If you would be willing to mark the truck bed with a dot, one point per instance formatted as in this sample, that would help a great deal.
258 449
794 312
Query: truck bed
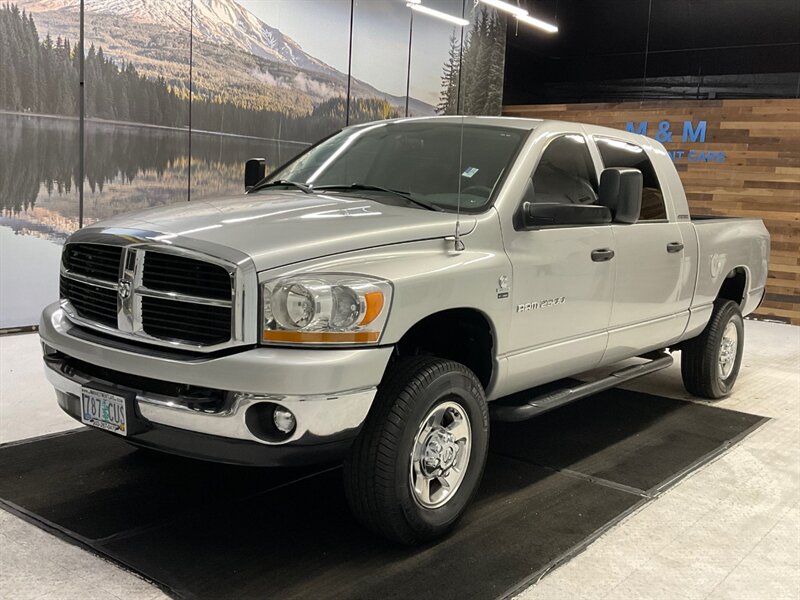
725 243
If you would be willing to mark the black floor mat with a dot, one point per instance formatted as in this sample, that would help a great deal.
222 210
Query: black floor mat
212 531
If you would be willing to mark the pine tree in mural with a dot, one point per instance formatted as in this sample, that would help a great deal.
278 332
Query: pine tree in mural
481 64
448 98
496 66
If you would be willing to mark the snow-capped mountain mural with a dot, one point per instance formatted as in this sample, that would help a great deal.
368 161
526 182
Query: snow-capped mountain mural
222 22
237 57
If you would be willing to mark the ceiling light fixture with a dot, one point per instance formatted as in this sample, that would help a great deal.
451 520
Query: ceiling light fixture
437 14
506 7
543 25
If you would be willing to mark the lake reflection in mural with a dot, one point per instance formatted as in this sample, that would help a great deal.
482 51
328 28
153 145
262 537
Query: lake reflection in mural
128 167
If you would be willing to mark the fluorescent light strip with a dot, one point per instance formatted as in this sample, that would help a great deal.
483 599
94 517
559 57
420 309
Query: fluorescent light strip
437 14
543 25
506 7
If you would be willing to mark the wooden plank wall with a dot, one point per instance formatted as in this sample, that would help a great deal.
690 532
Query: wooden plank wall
759 178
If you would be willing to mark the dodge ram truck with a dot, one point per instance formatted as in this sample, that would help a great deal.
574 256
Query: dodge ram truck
379 298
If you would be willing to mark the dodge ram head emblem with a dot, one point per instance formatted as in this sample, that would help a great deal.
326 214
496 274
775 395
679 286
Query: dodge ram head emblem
124 289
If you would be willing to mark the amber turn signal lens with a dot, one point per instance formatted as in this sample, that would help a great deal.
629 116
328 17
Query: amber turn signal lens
374 307
321 337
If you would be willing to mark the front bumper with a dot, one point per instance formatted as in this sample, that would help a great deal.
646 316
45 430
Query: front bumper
329 391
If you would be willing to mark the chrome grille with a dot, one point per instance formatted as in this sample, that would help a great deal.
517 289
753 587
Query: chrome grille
93 260
168 272
162 296
170 319
91 301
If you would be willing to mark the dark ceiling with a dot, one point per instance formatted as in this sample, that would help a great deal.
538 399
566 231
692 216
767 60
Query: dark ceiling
609 50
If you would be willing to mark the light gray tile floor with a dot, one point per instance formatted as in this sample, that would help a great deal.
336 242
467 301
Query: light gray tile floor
27 402
729 531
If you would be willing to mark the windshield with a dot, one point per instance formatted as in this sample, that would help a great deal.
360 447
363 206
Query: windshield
421 159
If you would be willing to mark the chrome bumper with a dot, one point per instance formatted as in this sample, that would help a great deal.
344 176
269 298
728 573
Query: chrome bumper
307 382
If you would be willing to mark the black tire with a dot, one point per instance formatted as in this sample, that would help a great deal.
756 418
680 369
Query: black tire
377 473
700 356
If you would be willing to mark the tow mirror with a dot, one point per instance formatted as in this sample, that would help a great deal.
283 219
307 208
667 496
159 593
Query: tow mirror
255 170
621 191
549 214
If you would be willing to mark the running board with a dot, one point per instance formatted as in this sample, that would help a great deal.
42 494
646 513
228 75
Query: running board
550 400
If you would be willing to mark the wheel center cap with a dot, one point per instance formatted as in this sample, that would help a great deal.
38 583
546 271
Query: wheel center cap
727 350
440 452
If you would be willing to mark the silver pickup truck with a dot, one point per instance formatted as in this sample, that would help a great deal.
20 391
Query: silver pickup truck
371 300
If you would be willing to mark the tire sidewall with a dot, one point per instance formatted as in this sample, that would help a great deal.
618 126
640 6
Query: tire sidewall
457 387
729 315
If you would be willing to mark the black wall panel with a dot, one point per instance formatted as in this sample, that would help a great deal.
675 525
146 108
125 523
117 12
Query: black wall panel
611 50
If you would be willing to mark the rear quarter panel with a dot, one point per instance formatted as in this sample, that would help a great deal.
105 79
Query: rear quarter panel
725 244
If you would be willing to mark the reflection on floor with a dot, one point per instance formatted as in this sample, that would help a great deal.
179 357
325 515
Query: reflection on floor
730 530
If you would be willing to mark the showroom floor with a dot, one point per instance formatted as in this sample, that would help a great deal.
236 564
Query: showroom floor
730 530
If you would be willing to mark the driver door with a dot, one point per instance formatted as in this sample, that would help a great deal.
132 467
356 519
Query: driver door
563 276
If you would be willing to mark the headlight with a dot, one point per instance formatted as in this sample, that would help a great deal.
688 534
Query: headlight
324 309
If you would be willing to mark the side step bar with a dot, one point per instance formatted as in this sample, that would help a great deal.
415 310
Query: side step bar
550 400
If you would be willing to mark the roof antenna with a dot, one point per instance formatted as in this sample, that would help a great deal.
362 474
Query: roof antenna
458 243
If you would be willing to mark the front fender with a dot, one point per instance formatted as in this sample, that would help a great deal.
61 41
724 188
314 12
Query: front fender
429 276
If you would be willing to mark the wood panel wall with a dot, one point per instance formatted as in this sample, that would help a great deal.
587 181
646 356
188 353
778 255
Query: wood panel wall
759 178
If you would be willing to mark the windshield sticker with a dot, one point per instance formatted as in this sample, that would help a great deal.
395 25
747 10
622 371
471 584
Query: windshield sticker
470 172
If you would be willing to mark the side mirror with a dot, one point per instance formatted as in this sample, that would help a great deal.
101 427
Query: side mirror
621 191
549 214
255 170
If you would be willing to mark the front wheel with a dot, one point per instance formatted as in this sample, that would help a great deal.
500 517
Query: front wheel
710 362
420 456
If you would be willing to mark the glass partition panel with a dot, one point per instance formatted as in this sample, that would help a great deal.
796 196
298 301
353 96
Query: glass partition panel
483 61
435 52
137 71
39 150
379 60
269 77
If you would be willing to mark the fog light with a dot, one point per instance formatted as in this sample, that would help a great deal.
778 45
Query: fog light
284 419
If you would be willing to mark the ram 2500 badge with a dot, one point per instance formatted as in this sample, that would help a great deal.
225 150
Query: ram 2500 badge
371 299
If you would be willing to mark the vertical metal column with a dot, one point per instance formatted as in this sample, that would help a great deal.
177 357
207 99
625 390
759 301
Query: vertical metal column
461 57
408 69
349 66
191 94
81 120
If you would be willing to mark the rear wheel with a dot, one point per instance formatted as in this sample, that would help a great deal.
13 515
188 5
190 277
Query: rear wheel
420 456
710 362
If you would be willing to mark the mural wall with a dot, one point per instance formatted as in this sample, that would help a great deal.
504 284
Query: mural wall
178 93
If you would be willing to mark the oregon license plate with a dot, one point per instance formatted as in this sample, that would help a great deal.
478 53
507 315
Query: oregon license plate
104 411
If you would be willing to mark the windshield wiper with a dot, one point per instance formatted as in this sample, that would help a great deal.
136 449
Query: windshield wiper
284 183
376 188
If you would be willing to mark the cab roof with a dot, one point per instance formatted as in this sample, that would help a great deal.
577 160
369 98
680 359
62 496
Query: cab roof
525 124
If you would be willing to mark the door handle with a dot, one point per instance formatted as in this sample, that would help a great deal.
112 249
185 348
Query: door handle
602 254
674 247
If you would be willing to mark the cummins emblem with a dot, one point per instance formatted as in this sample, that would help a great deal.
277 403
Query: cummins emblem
503 287
540 304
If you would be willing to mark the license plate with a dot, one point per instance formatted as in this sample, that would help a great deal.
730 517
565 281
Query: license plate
104 411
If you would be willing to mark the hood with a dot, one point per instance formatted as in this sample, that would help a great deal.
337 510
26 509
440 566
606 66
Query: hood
277 228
